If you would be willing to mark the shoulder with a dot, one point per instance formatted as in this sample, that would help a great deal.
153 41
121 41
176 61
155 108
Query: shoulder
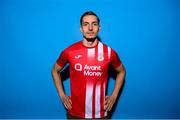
109 47
103 44
74 46
111 52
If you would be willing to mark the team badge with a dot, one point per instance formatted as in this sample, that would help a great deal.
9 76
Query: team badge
100 58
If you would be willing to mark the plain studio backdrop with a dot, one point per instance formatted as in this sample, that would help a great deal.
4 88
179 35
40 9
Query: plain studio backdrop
145 34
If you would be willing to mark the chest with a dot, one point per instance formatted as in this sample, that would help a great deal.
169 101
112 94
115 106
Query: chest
89 60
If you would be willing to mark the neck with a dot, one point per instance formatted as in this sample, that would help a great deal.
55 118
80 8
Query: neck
90 44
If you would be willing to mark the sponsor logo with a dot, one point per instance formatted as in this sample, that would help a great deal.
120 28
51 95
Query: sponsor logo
89 70
77 56
78 67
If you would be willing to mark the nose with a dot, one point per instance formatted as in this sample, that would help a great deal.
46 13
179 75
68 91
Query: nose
90 27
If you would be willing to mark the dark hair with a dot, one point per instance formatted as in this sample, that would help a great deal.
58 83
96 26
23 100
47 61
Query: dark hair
89 13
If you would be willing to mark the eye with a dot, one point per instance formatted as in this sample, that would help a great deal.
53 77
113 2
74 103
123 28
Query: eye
84 24
95 24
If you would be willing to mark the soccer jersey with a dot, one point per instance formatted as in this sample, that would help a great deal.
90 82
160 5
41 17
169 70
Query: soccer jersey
88 77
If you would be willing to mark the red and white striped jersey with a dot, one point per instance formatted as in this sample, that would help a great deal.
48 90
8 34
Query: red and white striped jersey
88 77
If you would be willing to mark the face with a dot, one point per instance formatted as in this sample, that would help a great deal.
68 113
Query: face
90 27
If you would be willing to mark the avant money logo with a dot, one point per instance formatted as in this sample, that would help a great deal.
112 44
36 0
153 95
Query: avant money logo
78 67
89 70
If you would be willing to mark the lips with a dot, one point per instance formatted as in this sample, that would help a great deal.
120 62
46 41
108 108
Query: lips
90 33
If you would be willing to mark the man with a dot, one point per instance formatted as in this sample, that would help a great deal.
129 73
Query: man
89 60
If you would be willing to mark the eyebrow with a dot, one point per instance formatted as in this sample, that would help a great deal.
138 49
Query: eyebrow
92 22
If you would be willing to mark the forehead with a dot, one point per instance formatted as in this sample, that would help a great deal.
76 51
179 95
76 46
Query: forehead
89 18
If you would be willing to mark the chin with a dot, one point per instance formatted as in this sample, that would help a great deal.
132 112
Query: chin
90 37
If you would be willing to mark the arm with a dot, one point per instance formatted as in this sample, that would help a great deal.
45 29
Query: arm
58 83
110 100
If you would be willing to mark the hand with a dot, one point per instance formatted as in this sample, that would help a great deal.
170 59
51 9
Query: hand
109 102
67 102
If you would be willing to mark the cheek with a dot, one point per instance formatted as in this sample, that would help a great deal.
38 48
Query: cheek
84 30
96 28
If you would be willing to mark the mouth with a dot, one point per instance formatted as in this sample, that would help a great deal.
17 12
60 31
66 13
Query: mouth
90 33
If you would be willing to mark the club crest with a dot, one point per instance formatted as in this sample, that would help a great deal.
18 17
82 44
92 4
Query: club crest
100 58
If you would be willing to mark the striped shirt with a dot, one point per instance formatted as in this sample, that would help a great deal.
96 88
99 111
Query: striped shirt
88 77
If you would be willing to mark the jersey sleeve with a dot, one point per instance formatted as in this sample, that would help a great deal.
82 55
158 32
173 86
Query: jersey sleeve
63 59
115 60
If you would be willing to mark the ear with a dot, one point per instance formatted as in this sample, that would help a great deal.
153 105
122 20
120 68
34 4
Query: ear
81 29
99 28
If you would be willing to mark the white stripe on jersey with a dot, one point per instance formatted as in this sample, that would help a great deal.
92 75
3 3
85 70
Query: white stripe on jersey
98 87
89 88
100 50
109 52
91 52
88 107
97 101
104 86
